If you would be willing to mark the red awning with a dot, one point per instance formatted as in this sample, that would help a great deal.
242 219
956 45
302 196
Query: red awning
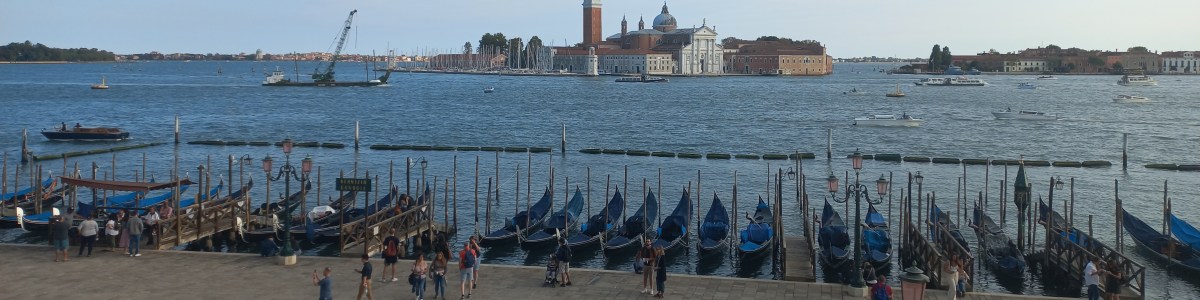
132 186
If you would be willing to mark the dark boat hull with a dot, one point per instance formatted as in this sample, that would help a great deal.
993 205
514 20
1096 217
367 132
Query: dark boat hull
74 136
329 84
622 242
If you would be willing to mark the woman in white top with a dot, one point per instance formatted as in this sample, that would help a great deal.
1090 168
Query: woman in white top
951 274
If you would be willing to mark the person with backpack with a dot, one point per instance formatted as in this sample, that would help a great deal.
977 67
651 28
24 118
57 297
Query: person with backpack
391 253
466 269
564 266
475 267
880 290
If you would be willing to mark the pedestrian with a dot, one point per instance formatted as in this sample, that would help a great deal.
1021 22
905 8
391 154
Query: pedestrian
391 253
880 290
478 251
365 285
950 272
564 266
268 247
1113 284
58 237
419 269
868 273
961 285
123 240
88 230
135 228
151 226
325 283
1091 278
466 265
660 270
439 276
111 230
645 259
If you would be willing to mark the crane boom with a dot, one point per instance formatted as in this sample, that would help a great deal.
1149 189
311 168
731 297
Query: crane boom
327 76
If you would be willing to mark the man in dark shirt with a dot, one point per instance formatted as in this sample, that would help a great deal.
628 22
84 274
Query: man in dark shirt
564 266
326 284
58 235
365 285
391 253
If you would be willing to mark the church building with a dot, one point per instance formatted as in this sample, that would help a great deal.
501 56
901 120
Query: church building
663 48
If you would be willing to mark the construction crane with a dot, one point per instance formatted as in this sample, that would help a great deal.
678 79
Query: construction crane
327 76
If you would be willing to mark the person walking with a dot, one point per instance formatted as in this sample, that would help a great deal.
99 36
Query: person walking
88 230
564 266
439 276
391 254
325 284
365 285
660 272
880 290
123 238
1112 285
419 269
475 268
111 230
1091 278
151 226
645 259
135 228
58 237
466 268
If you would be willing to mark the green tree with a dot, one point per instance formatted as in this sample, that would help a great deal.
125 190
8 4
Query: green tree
768 38
515 48
1138 49
1095 61
491 42
935 57
1053 47
946 58
1117 66
467 48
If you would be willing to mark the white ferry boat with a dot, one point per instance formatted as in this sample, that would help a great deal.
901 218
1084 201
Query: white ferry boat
956 81
904 120
1028 115
1137 80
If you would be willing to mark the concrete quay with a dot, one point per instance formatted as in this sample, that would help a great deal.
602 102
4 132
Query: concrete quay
30 273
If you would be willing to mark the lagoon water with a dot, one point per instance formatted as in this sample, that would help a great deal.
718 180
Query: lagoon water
737 115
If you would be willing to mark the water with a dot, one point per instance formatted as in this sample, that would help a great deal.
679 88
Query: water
751 115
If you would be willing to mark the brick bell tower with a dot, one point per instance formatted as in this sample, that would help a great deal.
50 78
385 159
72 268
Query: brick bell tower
591 22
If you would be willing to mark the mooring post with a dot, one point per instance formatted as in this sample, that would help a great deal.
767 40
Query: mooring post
176 129
564 139
1124 152
24 146
356 135
828 145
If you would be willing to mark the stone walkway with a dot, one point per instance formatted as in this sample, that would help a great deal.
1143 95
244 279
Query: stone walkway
30 273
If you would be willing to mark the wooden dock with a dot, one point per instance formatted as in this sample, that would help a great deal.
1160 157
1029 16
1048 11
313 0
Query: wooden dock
1067 258
366 235
186 227
798 257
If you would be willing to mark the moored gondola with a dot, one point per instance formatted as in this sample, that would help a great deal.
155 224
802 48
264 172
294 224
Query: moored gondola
601 225
673 231
520 223
560 223
877 244
759 233
833 239
714 230
998 251
635 228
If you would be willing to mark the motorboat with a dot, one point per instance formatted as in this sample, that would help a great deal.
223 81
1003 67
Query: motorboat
80 133
1131 99
1137 80
1047 77
1029 115
103 85
643 78
489 90
1027 86
903 120
854 92
955 81
897 94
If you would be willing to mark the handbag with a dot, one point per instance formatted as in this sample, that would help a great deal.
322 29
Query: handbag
412 278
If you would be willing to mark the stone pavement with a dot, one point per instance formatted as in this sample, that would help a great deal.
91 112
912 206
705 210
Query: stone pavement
28 272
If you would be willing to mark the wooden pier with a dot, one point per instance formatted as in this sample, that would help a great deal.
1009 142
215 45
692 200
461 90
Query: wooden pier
189 226
1066 258
366 235
798 259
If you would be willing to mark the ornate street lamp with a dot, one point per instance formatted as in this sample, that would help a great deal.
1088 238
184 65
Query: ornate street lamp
860 192
912 283
287 172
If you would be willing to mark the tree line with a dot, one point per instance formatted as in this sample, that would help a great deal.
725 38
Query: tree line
29 51
519 53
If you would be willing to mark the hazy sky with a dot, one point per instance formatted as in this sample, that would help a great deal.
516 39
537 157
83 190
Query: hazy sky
847 27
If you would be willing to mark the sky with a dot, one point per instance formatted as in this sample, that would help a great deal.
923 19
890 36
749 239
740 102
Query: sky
849 28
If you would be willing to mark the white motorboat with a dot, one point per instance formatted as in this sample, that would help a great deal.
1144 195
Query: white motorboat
1029 115
904 120
1027 86
1137 80
956 81
1047 77
1131 99
643 78
489 90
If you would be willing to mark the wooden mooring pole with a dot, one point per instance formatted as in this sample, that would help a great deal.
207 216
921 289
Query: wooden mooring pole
176 129
356 136
1124 152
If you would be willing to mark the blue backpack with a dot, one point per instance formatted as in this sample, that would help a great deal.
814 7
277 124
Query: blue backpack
469 261
879 294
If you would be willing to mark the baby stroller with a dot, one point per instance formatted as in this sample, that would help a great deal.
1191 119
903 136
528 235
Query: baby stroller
551 272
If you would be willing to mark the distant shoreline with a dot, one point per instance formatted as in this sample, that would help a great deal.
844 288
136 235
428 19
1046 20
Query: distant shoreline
53 62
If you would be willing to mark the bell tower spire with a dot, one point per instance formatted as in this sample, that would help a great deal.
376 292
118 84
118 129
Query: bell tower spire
591 22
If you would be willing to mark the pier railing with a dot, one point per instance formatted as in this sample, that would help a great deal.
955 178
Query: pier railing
200 221
949 246
369 232
918 249
1073 256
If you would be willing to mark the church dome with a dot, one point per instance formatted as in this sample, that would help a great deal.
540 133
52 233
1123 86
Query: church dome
664 21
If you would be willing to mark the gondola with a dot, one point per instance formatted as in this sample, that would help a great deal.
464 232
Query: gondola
674 228
999 251
937 216
28 222
560 223
330 232
634 229
24 198
759 233
877 244
601 225
279 212
283 206
834 240
714 230
522 222
1163 246
334 209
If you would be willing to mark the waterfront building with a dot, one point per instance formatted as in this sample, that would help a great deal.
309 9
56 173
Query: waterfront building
1027 65
777 58
662 49
1180 62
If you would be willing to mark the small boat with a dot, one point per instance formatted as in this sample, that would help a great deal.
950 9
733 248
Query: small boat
1165 247
833 238
489 90
955 81
1131 99
1047 77
999 251
897 93
674 228
903 120
635 228
559 224
714 231
759 233
1137 79
938 216
103 85
80 133
854 92
1027 86
877 245
599 226
522 222
643 78
329 232
1029 115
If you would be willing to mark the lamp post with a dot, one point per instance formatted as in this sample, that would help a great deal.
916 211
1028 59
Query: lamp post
859 191
287 172
912 283
242 162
